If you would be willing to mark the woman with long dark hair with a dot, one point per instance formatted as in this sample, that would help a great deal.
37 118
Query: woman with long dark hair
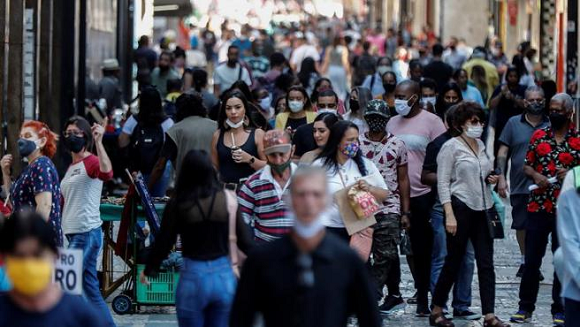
201 212
358 98
345 167
449 95
257 120
308 74
321 130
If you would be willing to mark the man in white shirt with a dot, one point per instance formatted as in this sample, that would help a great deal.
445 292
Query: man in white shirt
230 72
303 51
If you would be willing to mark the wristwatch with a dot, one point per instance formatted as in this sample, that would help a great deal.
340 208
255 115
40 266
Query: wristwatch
252 160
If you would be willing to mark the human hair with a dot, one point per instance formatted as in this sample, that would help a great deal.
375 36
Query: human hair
328 118
199 78
437 50
328 93
143 41
478 76
244 88
534 89
173 85
44 131
450 86
23 225
233 47
314 96
284 81
85 127
307 103
386 60
565 99
415 63
428 83
277 59
515 69
222 113
366 46
458 72
281 97
151 110
550 89
364 96
330 151
168 54
449 117
179 52
189 104
466 110
307 68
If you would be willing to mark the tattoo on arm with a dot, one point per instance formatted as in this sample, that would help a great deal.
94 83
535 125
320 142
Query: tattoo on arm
502 163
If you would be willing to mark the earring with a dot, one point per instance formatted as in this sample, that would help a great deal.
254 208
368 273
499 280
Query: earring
246 121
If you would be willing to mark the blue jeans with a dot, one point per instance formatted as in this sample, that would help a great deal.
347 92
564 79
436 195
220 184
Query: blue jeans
91 243
462 288
205 293
160 188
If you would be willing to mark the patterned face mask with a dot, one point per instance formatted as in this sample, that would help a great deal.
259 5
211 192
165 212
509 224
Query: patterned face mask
376 123
350 149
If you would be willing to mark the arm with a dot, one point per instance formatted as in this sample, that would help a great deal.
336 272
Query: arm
165 240
246 304
168 152
214 154
405 194
429 178
568 226
216 90
495 98
105 166
501 162
260 161
326 61
445 166
539 179
243 234
6 164
345 62
124 139
43 204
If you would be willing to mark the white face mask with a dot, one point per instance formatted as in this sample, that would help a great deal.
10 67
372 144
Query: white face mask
308 230
402 107
234 125
265 103
474 132
431 100
326 111
295 106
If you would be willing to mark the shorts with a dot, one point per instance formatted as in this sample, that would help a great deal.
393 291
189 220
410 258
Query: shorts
519 211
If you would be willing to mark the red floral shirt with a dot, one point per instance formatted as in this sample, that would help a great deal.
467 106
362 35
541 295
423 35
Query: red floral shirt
546 156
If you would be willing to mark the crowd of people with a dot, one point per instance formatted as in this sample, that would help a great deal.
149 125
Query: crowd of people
274 160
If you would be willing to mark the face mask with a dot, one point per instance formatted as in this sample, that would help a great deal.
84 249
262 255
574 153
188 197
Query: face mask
234 125
474 132
265 103
558 120
383 69
354 105
75 143
326 111
431 100
535 108
308 230
350 150
377 124
26 147
389 87
232 63
29 276
295 106
281 168
402 106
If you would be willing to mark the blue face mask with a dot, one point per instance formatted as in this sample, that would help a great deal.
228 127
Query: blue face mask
26 147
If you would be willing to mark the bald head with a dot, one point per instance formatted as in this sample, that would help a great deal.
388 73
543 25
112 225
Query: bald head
410 85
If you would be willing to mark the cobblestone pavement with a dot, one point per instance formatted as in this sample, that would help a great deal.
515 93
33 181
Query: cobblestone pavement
506 263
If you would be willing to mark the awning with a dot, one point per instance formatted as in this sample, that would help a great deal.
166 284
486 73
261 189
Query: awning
172 8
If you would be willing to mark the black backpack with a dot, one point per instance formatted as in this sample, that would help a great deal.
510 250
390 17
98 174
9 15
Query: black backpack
146 145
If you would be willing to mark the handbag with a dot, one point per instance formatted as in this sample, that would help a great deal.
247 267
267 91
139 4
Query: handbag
362 243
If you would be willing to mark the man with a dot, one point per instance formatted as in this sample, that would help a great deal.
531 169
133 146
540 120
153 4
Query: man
437 70
257 62
514 141
302 51
478 58
429 94
230 72
417 128
468 92
462 287
193 131
373 81
145 57
389 154
261 197
109 86
164 72
452 56
308 278
498 58
364 64
552 152
243 42
304 136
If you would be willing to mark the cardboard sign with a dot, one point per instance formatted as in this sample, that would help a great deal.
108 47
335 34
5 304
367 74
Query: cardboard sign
68 272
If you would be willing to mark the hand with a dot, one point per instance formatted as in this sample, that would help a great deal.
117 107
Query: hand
363 185
541 180
561 173
241 156
492 179
502 187
451 224
6 164
98 131
143 279
405 223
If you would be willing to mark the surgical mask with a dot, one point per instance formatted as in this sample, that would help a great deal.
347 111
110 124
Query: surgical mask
474 132
75 143
383 69
29 276
376 123
231 124
354 105
26 147
535 108
308 230
431 100
295 106
558 120
350 149
281 168
402 107
265 103
326 111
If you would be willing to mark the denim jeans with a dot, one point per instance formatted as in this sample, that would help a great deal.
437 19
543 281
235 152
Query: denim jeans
205 293
462 287
91 243
162 184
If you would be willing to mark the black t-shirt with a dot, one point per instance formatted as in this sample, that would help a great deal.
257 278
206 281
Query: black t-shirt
304 139
438 71
430 163
295 123
70 311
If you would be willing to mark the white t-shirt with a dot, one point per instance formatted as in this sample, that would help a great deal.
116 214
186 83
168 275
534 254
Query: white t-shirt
302 52
225 76
131 123
351 174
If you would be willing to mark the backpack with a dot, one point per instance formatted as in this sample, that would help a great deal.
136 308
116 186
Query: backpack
146 144
170 108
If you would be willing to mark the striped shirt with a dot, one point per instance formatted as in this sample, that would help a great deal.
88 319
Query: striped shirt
81 188
262 205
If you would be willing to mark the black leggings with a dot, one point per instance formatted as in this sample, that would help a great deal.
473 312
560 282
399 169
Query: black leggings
421 234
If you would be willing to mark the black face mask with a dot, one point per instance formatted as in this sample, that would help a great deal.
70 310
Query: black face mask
26 147
75 143
535 108
389 87
354 105
558 120
232 62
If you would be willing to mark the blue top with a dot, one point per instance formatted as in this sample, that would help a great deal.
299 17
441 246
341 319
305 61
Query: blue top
569 237
473 94
70 311
377 86
38 177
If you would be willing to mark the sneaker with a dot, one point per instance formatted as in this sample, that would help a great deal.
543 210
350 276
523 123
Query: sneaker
392 303
412 299
558 320
520 272
521 317
466 315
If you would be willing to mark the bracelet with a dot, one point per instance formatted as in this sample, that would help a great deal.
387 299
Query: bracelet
252 160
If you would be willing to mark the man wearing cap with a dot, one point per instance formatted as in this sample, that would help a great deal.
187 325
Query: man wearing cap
109 87
261 197
389 154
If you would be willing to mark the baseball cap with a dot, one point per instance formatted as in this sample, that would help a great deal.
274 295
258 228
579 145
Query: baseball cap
277 141
377 107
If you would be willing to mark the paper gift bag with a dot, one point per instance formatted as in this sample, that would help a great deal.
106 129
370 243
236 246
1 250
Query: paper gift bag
352 223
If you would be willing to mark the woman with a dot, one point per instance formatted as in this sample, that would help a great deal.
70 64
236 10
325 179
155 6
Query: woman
308 74
463 169
81 187
359 97
145 135
28 244
321 85
196 80
449 95
37 187
345 167
257 119
479 79
199 213
237 148
337 67
263 101
299 110
322 124
389 80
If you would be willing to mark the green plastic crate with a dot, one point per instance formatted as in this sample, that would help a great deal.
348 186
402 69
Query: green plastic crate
161 289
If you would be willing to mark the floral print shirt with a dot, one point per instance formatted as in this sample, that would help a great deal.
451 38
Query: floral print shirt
546 157
38 177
